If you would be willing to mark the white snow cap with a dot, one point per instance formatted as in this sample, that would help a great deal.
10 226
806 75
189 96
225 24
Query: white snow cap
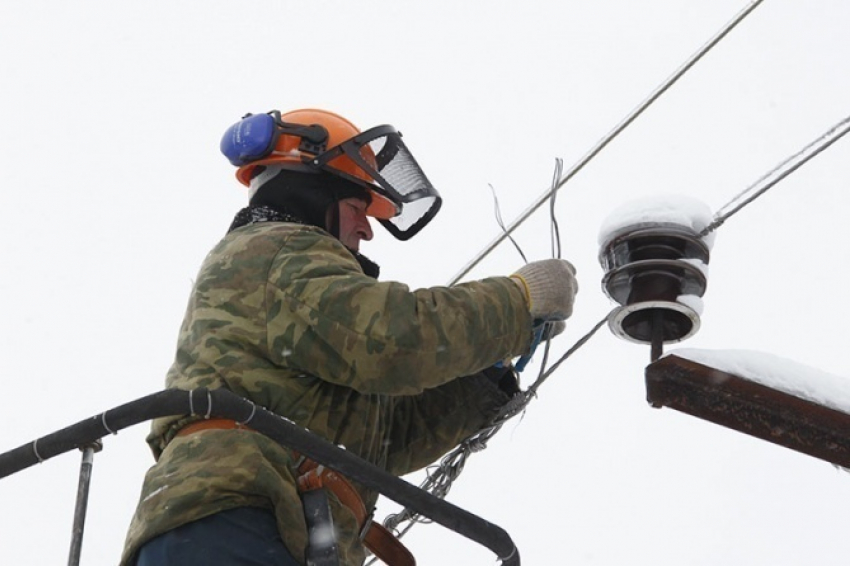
692 301
785 375
659 209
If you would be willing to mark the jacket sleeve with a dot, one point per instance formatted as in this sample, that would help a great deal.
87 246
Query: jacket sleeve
426 426
326 318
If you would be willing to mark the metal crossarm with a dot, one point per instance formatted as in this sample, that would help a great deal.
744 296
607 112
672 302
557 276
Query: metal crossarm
752 408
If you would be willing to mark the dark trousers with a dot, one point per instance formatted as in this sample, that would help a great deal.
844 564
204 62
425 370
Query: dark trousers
244 536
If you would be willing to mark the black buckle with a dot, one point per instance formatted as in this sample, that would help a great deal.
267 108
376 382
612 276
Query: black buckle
314 138
321 541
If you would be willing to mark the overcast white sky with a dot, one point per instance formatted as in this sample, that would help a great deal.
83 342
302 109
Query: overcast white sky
114 190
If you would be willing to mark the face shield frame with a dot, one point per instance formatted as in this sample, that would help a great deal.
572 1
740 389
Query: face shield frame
379 152
397 174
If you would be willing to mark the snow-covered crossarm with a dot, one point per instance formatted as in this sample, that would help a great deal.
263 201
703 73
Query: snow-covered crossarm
777 372
762 395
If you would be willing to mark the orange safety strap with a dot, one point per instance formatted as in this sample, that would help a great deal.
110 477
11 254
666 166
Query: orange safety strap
380 541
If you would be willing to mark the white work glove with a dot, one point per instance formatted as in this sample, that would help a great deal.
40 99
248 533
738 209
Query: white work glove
550 287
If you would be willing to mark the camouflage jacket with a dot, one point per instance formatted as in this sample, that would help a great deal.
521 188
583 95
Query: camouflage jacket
283 315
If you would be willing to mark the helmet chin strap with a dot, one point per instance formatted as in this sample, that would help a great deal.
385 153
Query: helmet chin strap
333 217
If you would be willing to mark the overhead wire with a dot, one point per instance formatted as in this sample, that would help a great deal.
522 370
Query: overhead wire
777 174
554 232
439 478
555 235
498 214
602 143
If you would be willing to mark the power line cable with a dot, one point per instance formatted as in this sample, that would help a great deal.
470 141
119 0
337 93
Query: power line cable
555 232
600 145
498 214
775 175
440 478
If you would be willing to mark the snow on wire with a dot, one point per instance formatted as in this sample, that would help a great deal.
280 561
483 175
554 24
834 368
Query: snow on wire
772 177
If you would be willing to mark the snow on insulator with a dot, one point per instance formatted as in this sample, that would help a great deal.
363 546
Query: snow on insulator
656 268
674 209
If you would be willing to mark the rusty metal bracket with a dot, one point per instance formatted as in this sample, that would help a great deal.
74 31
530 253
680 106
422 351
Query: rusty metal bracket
729 400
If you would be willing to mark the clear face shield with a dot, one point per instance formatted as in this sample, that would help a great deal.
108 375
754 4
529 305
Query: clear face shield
383 156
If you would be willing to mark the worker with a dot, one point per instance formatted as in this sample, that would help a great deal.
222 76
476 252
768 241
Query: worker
288 313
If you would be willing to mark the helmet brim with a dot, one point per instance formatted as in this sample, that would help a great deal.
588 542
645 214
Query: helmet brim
381 207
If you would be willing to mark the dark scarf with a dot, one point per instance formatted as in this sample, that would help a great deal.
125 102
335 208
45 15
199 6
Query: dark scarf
254 214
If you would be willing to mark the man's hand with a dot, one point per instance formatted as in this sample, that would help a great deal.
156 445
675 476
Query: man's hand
550 288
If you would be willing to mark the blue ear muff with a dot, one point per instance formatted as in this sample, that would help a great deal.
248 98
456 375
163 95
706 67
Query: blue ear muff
252 138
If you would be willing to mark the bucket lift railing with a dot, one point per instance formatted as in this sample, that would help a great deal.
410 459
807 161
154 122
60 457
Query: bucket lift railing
219 403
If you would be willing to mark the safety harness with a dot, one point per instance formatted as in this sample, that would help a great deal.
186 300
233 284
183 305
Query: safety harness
314 481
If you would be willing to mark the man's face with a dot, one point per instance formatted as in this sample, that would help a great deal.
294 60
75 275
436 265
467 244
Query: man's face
353 223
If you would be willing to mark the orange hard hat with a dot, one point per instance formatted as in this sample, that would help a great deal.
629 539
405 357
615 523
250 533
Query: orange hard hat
287 154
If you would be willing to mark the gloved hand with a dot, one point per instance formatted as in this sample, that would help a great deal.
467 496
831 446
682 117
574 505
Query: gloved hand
550 286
